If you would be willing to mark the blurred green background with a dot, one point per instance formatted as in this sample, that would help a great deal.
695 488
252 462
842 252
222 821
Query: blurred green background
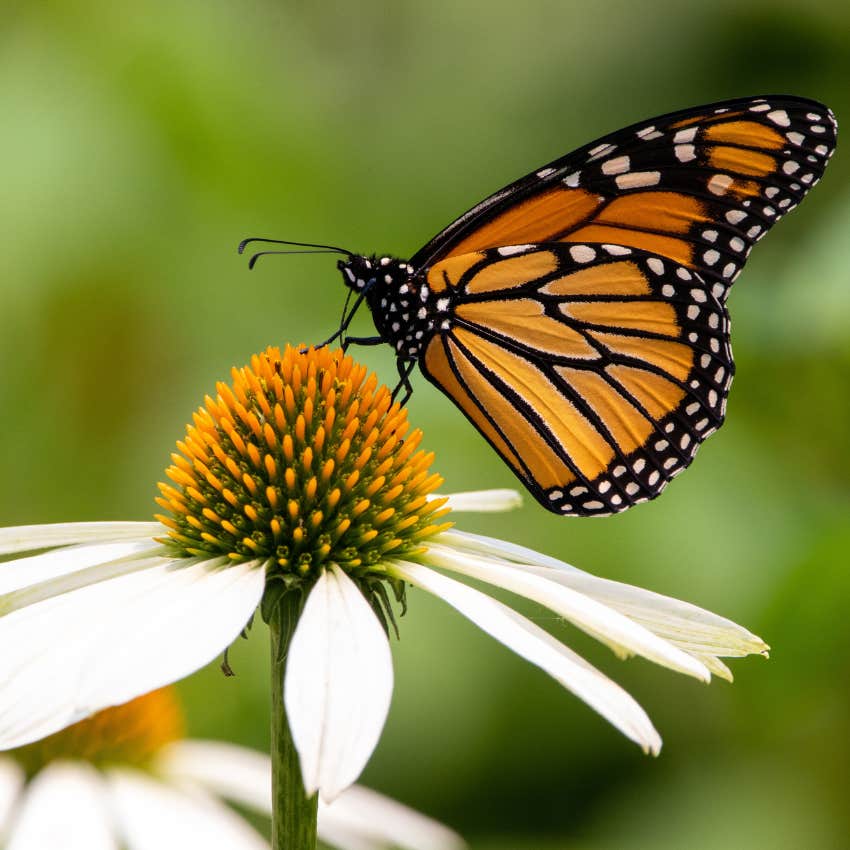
142 140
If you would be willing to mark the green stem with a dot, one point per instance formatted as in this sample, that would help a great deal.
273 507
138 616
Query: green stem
294 818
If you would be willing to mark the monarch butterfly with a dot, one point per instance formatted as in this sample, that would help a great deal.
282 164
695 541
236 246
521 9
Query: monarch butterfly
578 317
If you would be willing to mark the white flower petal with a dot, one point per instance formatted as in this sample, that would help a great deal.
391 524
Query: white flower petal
69 656
358 818
500 548
717 667
540 648
236 773
11 783
26 538
64 807
24 580
694 629
335 836
671 618
589 615
483 501
338 685
363 818
153 816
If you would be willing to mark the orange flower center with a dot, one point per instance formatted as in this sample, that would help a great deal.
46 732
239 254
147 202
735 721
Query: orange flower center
301 461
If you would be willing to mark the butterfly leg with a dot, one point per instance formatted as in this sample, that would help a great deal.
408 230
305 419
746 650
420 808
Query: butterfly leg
405 367
346 320
361 340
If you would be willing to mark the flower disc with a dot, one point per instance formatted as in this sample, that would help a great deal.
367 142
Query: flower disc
303 460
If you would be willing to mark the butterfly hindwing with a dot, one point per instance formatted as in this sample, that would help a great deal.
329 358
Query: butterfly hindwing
595 370
698 187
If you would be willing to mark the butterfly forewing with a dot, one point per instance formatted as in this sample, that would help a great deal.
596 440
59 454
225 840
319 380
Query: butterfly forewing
699 187
595 370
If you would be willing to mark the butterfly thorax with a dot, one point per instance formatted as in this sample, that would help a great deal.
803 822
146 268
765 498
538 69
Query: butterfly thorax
402 305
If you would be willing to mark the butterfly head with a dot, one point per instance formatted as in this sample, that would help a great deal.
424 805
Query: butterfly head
365 274
359 273
384 281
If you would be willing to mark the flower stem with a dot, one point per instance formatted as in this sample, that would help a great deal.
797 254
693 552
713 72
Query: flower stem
294 818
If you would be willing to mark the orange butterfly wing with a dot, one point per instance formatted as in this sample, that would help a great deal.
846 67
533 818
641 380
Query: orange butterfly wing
585 332
594 370
699 187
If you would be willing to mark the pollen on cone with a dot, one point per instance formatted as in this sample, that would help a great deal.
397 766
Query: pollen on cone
302 459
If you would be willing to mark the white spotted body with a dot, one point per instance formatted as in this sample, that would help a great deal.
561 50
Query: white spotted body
404 310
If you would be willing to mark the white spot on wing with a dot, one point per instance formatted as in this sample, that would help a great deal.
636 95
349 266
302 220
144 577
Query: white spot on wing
638 179
685 153
780 117
601 150
618 165
719 184
582 253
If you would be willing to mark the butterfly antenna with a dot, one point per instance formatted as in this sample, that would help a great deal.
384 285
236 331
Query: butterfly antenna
252 262
245 242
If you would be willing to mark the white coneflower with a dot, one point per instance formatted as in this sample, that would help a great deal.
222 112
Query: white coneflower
126 777
299 489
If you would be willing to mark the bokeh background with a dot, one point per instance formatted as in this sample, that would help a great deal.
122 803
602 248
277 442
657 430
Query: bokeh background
142 140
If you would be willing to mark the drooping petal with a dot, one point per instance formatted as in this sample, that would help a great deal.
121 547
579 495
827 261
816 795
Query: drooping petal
717 667
11 783
540 648
693 629
154 816
101 645
358 818
65 806
21 576
236 773
484 501
688 626
26 538
362 818
338 686
593 617
503 549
